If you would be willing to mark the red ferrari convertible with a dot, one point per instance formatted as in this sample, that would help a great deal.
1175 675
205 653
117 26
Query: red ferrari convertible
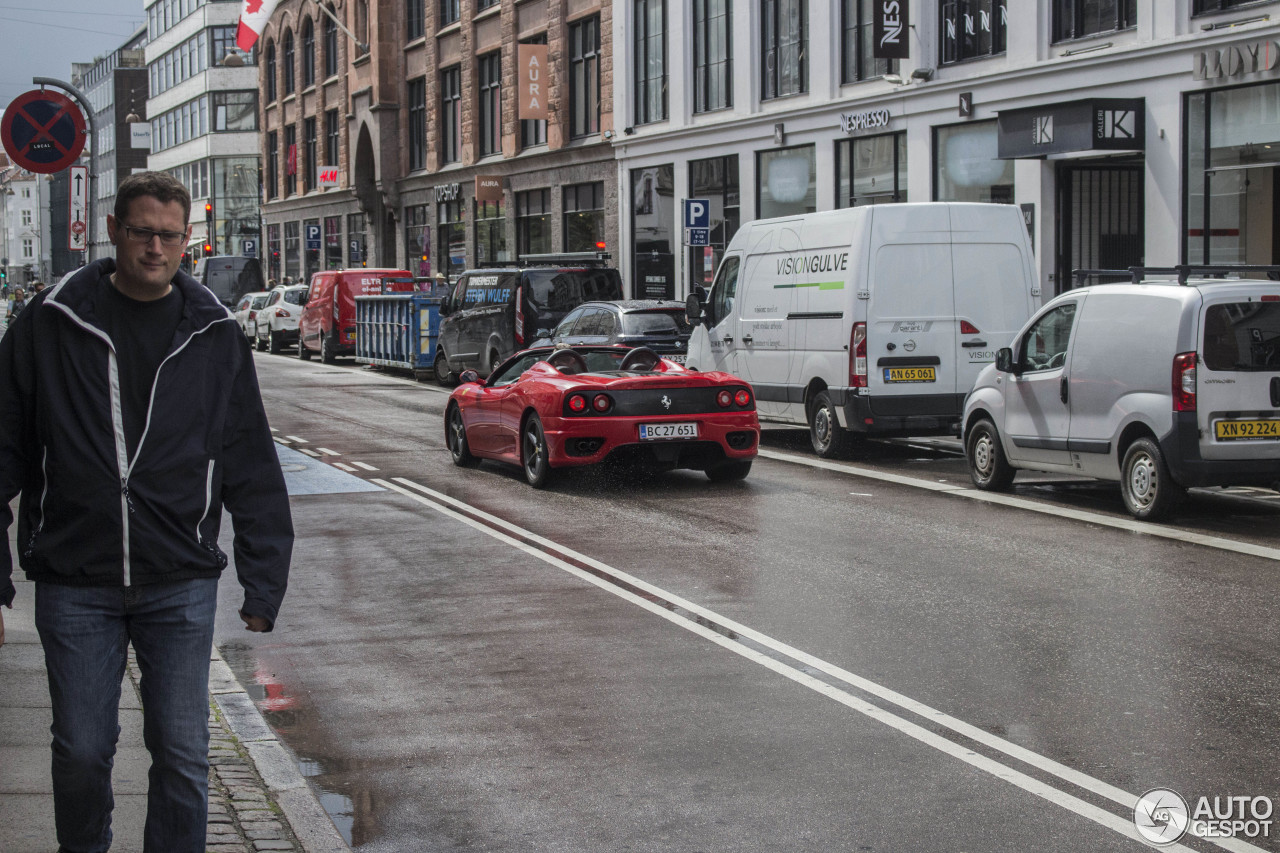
548 408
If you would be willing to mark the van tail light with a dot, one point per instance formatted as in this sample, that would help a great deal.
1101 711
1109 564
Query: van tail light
1271 297
858 356
967 328
1184 382
520 316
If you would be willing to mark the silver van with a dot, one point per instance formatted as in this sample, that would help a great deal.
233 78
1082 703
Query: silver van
230 277
1165 383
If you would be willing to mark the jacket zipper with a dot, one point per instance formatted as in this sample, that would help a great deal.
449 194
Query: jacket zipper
44 492
208 501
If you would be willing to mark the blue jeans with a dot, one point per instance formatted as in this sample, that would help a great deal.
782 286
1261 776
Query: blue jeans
86 632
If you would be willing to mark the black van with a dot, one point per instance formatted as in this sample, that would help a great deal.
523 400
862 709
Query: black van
230 277
491 313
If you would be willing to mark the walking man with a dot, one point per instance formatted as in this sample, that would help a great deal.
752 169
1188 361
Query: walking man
130 416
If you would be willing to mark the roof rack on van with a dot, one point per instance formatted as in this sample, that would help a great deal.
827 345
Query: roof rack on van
1182 271
565 258
1079 276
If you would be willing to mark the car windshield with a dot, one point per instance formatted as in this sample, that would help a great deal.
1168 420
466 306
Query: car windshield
598 361
259 301
1242 336
655 323
296 296
564 290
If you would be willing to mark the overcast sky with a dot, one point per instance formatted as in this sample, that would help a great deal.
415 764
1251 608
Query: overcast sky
39 40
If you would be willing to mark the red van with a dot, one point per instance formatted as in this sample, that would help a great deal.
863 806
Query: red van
328 321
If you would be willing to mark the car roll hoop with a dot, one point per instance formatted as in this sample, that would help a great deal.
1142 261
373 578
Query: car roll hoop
640 359
568 361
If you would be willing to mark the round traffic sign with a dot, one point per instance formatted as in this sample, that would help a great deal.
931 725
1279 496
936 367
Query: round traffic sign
43 131
77 227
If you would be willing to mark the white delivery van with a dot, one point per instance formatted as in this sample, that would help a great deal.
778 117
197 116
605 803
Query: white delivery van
868 320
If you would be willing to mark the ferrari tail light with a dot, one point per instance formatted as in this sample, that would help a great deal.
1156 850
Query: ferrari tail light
1184 382
742 398
577 403
520 316
602 403
858 356
967 328
725 398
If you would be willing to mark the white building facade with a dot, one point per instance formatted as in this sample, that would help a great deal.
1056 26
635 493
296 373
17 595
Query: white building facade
24 220
1129 131
204 120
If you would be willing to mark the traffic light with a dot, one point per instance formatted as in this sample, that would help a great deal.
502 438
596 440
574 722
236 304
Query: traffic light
208 248
208 223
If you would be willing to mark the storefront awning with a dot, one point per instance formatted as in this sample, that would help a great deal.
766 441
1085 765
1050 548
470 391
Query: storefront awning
1091 127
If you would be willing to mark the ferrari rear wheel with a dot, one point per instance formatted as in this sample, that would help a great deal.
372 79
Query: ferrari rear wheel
724 472
534 453
458 447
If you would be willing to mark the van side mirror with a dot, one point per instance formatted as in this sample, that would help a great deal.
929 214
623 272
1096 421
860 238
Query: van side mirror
444 309
1004 361
696 309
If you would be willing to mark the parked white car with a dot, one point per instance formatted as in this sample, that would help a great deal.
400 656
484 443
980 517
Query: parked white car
1162 384
278 319
246 312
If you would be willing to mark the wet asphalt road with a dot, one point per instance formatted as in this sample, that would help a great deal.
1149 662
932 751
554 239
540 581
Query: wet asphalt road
857 659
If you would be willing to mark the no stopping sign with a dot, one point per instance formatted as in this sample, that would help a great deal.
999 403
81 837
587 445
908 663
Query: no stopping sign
43 131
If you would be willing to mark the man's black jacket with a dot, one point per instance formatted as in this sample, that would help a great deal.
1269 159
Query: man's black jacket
92 516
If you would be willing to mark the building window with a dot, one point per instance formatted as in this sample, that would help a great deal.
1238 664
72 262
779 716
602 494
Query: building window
332 138
491 233
784 43
650 61
450 115
26 219
716 180
333 242
533 222
871 170
583 217
533 131
308 53
290 160
356 227
311 254
223 42
292 251
417 124
449 11
330 47
417 240
271 71
653 232
972 29
712 55
1204 6
1074 19
486 4
491 104
966 167
235 111
857 61
273 253
786 181
452 257
414 19
309 139
273 165
287 59
28 247
584 77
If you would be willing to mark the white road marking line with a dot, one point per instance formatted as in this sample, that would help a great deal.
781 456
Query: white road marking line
327 452
1130 524
365 465
297 440
345 467
862 494
308 451
278 440
441 503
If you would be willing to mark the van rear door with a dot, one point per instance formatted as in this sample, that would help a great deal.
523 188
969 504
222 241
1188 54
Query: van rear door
1238 372
911 329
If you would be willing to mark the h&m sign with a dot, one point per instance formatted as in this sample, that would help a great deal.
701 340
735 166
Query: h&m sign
1236 61
327 176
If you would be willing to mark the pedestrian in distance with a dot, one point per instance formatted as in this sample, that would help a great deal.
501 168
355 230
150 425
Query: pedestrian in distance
36 287
130 416
16 305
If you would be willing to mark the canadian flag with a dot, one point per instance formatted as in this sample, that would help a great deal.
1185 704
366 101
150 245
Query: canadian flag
254 15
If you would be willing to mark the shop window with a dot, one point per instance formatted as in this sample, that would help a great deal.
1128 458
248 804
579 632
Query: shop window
966 167
292 251
273 253
583 217
417 240
650 73
712 55
715 180
857 61
871 170
533 222
784 43
786 181
452 238
357 225
312 253
333 242
1074 19
491 234
652 232
973 29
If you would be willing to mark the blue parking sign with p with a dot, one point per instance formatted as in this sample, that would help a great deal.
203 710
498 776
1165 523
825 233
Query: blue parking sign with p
697 213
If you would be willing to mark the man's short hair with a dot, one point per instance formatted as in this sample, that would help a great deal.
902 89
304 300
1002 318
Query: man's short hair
159 185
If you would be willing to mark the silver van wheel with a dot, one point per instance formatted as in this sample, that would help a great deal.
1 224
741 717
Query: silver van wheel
825 433
1146 486
988 467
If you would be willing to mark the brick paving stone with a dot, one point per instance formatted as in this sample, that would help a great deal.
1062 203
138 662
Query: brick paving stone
250 825
220 829
273 844
226 848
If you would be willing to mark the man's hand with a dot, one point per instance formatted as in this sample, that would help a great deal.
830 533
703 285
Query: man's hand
257 624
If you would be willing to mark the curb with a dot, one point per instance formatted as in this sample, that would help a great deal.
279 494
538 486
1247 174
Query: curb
285 785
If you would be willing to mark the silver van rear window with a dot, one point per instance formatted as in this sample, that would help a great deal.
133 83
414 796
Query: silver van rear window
1242 336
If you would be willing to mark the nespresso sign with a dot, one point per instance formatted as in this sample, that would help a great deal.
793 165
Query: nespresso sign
870 120
1095 124
1236 61
889 28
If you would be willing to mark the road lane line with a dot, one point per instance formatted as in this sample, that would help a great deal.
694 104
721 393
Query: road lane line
344 467
327 452
494 527
297 440
1130 524
365 465
308 451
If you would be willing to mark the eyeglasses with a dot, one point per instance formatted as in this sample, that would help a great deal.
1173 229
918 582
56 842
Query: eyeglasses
146 235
